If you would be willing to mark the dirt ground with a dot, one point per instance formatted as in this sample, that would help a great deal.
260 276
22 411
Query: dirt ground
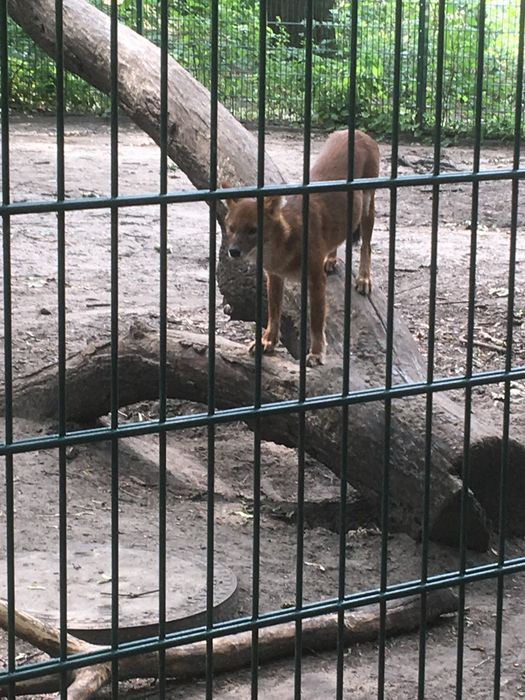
34 287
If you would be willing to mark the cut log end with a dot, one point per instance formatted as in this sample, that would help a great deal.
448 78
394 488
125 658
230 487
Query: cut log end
484 480
446 528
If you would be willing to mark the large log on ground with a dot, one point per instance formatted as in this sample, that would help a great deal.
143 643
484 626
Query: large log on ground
187 378
86 49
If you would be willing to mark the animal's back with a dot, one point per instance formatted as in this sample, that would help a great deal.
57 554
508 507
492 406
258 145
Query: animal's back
332 164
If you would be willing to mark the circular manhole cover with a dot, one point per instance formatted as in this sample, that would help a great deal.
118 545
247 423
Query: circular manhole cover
89 590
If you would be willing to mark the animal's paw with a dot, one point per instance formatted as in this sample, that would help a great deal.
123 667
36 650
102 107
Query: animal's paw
314 359
329 265
268 344
363 284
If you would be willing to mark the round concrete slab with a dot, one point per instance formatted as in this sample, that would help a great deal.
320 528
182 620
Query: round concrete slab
89 590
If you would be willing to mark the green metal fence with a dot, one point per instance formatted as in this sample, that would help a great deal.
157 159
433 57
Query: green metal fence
341 599
32 74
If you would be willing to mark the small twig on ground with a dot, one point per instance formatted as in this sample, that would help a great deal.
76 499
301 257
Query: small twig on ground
485 345
411 289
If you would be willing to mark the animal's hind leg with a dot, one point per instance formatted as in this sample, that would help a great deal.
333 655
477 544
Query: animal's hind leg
317 289
330 261
363 282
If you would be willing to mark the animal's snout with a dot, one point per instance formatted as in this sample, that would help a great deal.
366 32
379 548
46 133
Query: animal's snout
234 251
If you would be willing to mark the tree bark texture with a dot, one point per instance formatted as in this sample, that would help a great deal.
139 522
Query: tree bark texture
86 51
230 652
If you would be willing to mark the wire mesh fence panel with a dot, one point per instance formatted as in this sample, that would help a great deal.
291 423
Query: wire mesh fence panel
355 393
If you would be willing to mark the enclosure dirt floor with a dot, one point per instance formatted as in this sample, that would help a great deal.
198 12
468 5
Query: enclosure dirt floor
34 296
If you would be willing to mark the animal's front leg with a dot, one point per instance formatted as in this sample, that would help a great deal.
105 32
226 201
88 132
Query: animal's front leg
317 285
270 335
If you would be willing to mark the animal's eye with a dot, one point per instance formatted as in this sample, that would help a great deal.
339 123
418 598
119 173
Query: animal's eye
252 231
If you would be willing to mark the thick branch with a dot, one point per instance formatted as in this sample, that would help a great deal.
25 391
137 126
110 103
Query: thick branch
233 652
86 53
40 634
84 682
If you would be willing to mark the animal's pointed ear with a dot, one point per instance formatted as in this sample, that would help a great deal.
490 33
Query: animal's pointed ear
232 201
272 205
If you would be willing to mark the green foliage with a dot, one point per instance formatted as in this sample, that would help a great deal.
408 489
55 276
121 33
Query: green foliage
32 75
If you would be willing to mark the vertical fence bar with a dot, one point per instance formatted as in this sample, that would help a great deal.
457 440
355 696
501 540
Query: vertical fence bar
425 525
114 346
163 314
389 346
210 550
421 71
303 340
8 349
139 24
259 292
61 315
346 346
502 520
470 348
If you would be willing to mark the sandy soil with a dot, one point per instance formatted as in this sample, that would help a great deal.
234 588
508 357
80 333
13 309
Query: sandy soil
88 293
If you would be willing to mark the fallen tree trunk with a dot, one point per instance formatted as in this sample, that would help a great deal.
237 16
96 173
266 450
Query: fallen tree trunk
187 378
230 652
86 51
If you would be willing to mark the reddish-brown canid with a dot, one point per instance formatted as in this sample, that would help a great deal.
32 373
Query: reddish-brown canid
283 231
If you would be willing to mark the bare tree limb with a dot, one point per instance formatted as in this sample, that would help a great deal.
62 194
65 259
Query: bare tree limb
234 651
